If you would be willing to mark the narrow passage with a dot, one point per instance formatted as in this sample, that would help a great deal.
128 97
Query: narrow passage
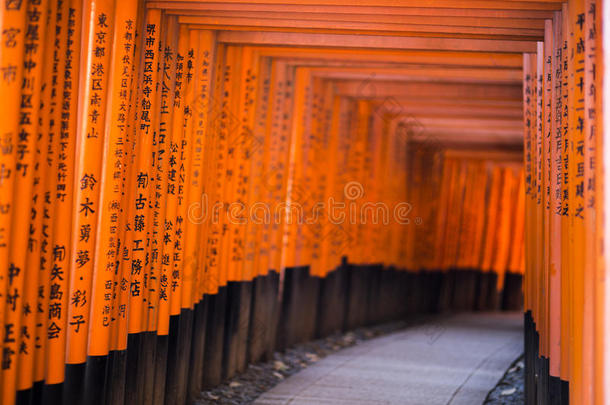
454 360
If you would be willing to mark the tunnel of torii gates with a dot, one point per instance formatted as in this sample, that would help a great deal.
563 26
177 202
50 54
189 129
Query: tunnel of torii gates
187 186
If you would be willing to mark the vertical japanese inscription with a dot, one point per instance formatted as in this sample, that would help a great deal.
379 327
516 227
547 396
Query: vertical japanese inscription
163 241
88 170
27 194
578 59
108 283
176 175
189 264
124 111
51 109
64 196
11 74
140 223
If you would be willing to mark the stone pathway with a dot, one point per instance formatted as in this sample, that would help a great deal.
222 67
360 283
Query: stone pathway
454 360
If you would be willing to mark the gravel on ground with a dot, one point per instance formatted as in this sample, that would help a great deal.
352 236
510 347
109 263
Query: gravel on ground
510 389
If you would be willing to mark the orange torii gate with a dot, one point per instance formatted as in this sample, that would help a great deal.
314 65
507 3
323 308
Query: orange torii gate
186 186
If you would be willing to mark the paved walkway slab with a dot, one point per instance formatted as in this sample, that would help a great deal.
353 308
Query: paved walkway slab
452 360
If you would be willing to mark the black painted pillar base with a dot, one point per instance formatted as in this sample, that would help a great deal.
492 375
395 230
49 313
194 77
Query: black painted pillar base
95 380
512 296
436 281
274 304
374 294
386 297
331 304
146 366
74 383
133 389
160 367
464 290
483 285
299 307
239 297
214 339
357 297
530 381
116 377
540 387
555 390
260 307
243 326
37 392
178 354
421 297
412 284
446 288
395 287
52 394
565 392
197 358
24 397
